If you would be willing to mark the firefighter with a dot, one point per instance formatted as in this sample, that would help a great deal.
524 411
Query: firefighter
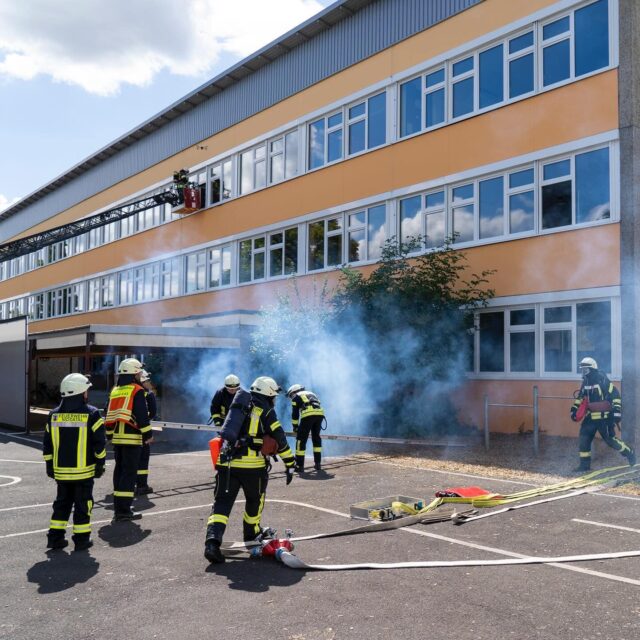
142 480
242 465
604 412
307 416
222 400
128 428
74 454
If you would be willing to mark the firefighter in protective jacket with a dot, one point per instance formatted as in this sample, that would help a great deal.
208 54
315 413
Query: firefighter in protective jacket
241 464
603 413
307 416
74 453
128 428
222 400
142 480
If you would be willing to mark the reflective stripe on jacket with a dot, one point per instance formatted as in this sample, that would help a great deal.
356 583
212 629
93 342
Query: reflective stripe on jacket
596 391
304 405
125 423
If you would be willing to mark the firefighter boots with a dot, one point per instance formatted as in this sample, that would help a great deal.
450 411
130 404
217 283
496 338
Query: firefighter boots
212 551
56 543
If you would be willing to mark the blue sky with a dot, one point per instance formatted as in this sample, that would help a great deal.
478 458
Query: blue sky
72 81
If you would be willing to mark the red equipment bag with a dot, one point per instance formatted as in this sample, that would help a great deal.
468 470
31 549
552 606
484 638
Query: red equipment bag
269 446
602 406
215 444
582 409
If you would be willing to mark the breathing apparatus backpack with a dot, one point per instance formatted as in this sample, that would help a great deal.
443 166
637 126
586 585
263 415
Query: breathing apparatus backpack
239 409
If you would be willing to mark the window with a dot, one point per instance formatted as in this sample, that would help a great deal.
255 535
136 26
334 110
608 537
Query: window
102 292
170 277
462 213
326 140
593 333
492 341
592 189
252 259
410 107
522 340
425 218
64 301
521 65
253 169
367 233
126 287
220 267
283 252
557 330
17 307
147 283
325 243
591 24
196 268
220 181
521 196
435 98
283 157
36 307
491 80
491 207
462 87
367 123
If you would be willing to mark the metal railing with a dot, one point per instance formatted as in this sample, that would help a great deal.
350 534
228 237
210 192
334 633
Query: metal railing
535 406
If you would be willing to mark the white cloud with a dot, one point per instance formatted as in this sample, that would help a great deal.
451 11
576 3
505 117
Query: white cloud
5 202
101 45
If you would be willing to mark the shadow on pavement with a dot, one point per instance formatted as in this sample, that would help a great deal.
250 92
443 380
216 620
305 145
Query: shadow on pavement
255 575
62 570
123 534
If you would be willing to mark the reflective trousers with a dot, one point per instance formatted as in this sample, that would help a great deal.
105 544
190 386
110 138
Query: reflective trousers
143 466
127 459
76 495
588 430
228 483
309 426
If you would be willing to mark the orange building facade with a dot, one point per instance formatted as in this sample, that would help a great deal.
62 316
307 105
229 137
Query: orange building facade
499 125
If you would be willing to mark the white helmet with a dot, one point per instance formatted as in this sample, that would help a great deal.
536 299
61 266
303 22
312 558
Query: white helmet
130 365
588 362
266 387
144 376
294 388
74 384
232 381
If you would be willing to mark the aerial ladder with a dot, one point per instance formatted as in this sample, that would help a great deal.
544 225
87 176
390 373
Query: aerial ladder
181 192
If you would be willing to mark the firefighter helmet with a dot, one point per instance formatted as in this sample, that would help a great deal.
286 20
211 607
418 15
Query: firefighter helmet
231 381
588 362
293 389
130 365
74 384
266 386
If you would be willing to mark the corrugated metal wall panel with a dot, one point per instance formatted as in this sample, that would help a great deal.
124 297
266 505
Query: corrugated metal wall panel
372 29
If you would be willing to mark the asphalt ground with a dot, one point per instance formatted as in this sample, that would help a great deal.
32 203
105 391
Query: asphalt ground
149 579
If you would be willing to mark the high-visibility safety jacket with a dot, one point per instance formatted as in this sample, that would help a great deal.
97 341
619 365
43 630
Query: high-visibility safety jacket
74 440
599 392
220 404
127 420
260 422
303 405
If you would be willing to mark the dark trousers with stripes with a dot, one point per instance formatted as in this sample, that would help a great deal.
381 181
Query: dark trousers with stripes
76 495
143 466
127 459
588 430
253 483
309 426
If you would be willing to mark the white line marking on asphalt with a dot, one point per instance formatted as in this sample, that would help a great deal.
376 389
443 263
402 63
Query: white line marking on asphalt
13 480
605 524
435 536
27 461
11 435
27 506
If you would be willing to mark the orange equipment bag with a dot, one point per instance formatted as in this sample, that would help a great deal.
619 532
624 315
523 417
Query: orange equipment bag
215 444
269 446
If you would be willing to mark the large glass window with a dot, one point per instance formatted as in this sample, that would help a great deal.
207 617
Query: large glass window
462 89
557 331
521 201
521 65
492 341
367 233
491 81
556 52
220 267
491 207
283 252
462 213
367 123
410 107
522 340
326 140
410 218
196 271
435 111
556 194
126 287
325 243
170 277
251 259
220 181
593 198
253 169
283 157
591 24
593 333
